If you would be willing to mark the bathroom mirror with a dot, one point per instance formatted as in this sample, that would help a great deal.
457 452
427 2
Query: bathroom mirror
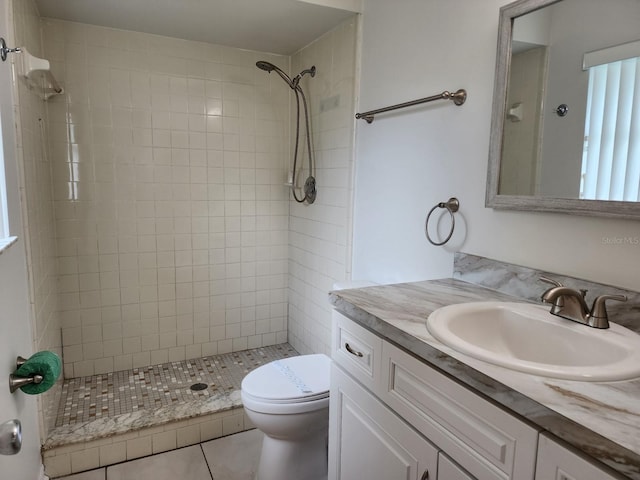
565 133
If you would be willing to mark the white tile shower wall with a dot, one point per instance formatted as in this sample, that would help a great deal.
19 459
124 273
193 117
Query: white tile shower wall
37 208
320 234
171 213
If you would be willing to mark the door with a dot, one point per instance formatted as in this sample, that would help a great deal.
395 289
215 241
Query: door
15 328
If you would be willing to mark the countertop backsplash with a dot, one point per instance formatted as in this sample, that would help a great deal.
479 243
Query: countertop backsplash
524 282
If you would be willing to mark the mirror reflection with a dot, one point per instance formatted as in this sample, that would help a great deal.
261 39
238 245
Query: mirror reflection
572 112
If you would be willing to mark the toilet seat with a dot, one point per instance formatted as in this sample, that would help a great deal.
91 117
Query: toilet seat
292 385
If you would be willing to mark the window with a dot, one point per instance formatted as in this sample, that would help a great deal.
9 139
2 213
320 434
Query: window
4 221
5 239
611 154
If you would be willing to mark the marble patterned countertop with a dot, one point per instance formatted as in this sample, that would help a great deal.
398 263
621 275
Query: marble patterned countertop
600 419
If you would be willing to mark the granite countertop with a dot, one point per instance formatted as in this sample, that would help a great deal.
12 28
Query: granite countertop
600 419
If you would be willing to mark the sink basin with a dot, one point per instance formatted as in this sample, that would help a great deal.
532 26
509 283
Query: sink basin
527 338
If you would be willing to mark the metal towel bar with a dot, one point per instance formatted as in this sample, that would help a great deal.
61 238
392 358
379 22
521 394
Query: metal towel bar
458 98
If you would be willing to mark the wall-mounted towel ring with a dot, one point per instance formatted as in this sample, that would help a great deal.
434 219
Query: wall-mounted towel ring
452 205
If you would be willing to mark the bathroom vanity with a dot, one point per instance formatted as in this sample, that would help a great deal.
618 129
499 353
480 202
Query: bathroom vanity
404 405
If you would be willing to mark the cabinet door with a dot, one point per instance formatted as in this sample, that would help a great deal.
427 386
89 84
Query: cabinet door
485 440
556 462
448 470
368 441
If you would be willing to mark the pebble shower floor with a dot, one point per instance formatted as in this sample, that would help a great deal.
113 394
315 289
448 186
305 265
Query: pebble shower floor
85 399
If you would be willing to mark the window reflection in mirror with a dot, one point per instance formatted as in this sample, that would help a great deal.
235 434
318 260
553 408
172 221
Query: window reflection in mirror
611 155
545 154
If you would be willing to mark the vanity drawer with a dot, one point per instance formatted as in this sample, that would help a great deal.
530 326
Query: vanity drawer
486 441
356 350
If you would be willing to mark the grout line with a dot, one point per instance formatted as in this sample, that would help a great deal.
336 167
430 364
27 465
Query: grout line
206 460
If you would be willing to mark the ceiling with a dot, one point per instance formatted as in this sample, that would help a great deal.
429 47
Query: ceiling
275 26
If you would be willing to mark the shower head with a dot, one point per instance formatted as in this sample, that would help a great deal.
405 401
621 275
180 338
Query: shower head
270 67
266 66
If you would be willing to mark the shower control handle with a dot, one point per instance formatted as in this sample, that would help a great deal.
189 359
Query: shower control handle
352 351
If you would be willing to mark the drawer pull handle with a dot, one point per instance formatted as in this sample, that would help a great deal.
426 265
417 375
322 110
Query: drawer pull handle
352 351
425 475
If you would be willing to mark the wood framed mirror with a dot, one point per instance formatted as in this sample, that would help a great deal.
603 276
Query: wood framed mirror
565 128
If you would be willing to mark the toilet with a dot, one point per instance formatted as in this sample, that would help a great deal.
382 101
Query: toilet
288 400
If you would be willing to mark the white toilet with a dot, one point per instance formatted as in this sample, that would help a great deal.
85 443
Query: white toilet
288 400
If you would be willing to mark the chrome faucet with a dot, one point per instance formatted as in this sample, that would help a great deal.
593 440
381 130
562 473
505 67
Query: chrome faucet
571 304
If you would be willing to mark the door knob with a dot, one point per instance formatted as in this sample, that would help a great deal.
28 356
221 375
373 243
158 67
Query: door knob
10 437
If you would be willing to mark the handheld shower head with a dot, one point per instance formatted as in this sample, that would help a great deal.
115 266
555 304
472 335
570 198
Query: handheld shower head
270 67
266 66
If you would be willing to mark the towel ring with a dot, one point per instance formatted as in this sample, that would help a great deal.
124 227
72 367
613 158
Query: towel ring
452 205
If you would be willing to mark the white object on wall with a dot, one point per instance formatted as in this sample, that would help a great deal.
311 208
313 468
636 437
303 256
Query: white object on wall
36 72
515 112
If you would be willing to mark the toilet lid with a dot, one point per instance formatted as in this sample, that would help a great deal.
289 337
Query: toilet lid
290 380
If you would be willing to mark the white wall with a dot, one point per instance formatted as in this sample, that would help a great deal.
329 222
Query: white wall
407 162
534 27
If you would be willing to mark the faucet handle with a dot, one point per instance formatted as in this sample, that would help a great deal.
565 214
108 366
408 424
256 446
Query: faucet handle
598 315
551 281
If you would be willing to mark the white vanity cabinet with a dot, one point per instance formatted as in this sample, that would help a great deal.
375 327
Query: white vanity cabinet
394 417
555 462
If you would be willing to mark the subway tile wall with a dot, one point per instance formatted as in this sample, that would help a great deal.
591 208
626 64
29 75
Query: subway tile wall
37 208
171 212
320 234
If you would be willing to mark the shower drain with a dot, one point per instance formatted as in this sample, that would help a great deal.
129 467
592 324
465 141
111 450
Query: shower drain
196 387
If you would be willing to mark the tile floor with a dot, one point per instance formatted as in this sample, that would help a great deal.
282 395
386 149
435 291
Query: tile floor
229 458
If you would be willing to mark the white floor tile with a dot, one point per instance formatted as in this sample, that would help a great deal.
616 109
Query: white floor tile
99 474
184 463
234 457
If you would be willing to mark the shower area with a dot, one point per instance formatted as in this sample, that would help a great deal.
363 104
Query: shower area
182 228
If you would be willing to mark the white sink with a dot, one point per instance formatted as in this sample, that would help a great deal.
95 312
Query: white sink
527 338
